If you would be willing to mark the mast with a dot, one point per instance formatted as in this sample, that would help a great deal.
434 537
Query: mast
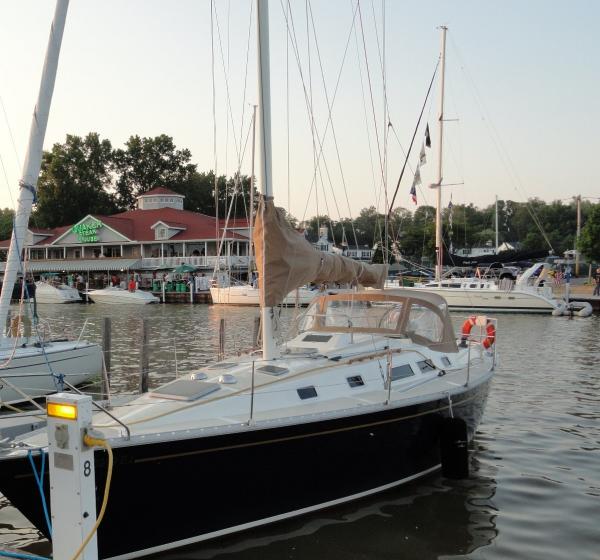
251 228
269 349
439 253
578 234
33 157
496 224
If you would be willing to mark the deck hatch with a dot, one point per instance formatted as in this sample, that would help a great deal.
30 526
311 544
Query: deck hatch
446 360
355 381
402 372
426 365
184 390
272 370
317 338
307 392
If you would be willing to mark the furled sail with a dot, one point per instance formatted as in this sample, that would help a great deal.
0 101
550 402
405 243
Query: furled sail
291 261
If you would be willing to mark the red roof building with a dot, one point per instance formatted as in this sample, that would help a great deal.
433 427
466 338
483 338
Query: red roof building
158 234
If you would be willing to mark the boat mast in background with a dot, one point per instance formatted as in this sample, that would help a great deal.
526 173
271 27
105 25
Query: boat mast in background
33 158
496 224
252 181
438 184
265 177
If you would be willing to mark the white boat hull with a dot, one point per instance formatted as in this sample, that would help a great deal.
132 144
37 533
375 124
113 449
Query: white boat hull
47 293
515 301
118 296
247 295
29 370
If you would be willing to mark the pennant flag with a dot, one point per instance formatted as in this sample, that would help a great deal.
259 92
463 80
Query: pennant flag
417 179
427 137
413 194
422 158
451 211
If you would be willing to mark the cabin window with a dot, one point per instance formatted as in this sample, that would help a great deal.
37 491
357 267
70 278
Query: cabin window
445 361
472 285
426 365
317 338
402 372
355 381
307 392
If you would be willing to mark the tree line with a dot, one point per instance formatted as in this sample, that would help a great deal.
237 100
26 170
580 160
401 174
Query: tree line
87 175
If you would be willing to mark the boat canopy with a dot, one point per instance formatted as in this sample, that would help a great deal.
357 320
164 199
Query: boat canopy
290 261
422 317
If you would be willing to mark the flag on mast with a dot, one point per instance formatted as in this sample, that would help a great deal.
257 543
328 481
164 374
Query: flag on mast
422 157
416 181
427 137
413 194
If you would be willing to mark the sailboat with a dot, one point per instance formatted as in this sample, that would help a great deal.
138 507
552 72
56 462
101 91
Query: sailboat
32 365
374 391
527 294
227 291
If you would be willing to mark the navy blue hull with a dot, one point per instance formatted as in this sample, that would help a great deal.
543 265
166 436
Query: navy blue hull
178 492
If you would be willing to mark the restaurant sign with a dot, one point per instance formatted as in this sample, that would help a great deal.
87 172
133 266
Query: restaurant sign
88 232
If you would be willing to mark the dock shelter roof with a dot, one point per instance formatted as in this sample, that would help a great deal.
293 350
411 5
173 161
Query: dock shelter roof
79 265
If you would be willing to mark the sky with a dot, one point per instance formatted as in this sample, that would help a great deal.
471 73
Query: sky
521 103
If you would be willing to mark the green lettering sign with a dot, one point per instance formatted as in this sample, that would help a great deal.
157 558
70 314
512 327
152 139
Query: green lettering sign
88 232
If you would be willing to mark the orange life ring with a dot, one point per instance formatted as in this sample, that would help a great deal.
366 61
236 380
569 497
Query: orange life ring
490 330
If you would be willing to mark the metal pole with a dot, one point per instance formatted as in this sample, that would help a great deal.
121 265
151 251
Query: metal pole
438 185
496 224
33 157
221 339
578 199
251 396
144 361
252 180
264 141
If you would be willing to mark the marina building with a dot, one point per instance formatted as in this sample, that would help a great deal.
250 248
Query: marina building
157 234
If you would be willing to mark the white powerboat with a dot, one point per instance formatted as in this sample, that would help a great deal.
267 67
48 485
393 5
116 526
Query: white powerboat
119 296
50 292
33 363
529 294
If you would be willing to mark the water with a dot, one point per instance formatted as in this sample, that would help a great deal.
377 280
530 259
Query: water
534 492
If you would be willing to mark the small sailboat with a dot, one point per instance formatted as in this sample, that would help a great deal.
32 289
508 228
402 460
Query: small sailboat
372 392
33 364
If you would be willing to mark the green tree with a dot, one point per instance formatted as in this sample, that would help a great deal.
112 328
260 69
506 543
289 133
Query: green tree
589 241
146 163
75 180
7 216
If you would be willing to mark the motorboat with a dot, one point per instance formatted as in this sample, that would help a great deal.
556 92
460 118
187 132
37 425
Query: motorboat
119 296
32 361
51 292
356 403
531 293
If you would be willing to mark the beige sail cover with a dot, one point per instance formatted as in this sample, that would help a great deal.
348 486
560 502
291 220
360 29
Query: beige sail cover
291 261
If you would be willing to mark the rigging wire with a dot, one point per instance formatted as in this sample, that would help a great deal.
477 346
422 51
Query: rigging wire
495 136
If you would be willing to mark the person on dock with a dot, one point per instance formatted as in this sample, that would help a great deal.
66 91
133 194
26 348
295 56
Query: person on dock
132 284
597 282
